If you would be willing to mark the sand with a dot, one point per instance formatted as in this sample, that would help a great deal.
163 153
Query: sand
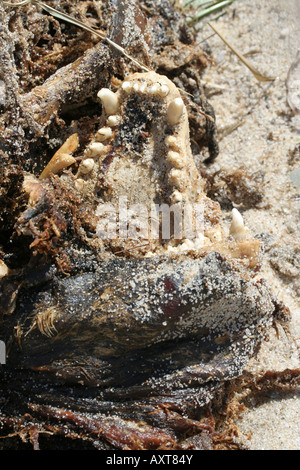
264 143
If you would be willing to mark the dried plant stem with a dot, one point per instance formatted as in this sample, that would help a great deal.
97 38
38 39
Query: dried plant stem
210 9
255 72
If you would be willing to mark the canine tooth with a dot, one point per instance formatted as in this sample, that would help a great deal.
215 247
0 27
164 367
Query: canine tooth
175 110
175 159
109 100
87 166
104 133
114 120
237 227
96 148
163 91
58 162
126 86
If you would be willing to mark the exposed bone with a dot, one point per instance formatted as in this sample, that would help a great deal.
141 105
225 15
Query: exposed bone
175 110
129 162
109 100
70 83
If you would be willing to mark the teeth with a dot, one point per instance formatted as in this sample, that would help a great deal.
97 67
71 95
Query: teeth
79 184
175 110
126 86
171 141
237 227
175 159
175 177
87 166
155 89
163 91
143 88
96 148
136 87
114 120
104 133
109 99
176 197
58 162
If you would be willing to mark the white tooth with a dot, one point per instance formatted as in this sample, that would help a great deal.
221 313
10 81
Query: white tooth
143 88
237 227
136 87
175 159
176 196
154 90
170 141
114 120
163 91
109 100
96 148
104 133
175 177
175 110
79 184
126 86
87 166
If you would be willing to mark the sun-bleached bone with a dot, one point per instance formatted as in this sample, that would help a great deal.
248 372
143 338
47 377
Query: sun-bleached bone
95 149
148 160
